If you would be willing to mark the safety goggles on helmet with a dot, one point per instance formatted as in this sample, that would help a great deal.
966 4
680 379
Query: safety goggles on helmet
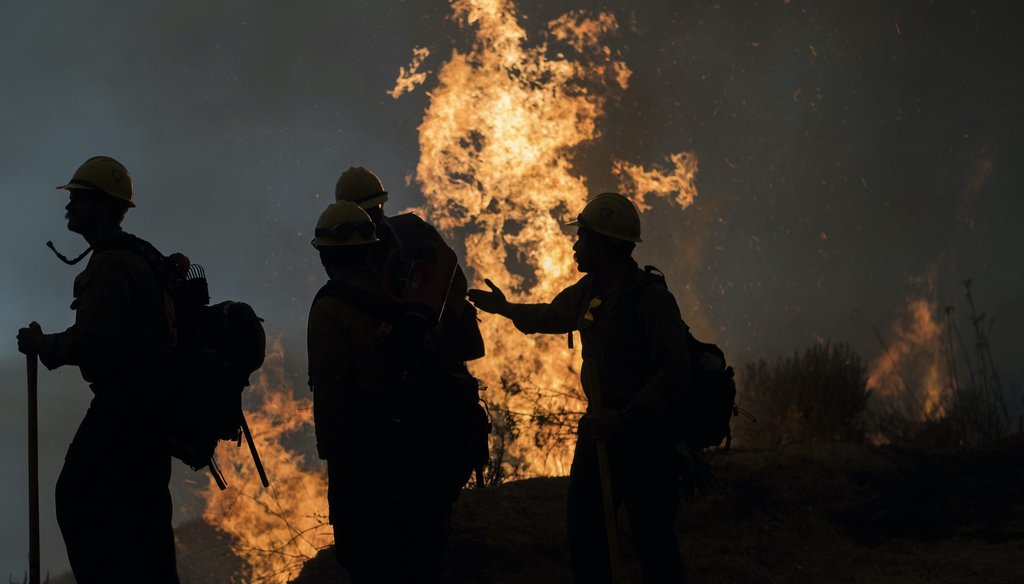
345 230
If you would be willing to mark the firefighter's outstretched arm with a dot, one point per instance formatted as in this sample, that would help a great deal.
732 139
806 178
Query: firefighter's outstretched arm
555 317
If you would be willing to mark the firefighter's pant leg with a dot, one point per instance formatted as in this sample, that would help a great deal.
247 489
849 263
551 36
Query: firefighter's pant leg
645 478
113 506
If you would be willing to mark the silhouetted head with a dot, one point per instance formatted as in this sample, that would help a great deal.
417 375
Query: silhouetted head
100 194
344 236
362 187
607 231
594 251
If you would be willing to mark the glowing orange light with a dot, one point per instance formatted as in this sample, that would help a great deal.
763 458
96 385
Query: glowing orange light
277 529
908 375
496 168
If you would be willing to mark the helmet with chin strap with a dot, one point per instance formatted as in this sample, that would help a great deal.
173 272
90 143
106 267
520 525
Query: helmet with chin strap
106 175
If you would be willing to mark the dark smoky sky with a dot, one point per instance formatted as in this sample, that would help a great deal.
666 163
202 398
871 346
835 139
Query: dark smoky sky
849 151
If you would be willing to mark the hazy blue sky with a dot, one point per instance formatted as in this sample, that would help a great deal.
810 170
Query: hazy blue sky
846 152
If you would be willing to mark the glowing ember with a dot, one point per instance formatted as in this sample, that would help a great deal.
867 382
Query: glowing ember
409 78
277 529
497 143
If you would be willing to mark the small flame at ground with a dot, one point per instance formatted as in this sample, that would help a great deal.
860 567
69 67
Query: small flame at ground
908 375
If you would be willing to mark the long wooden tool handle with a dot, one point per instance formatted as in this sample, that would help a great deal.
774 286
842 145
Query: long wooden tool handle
604 468
33 469
610 522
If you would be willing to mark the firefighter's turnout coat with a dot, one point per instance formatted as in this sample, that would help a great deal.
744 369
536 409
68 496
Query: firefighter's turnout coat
634 354
112 501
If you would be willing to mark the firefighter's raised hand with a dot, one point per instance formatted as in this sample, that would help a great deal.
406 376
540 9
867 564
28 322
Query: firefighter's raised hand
493 301
30 339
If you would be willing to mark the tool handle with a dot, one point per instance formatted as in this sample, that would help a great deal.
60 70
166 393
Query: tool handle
33 469
610 518
604 468
255 455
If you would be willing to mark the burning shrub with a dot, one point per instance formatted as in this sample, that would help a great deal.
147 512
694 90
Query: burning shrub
551 422
920 393
815 396
504 432
976 416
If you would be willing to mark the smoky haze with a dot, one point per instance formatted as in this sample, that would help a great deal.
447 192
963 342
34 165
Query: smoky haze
850 157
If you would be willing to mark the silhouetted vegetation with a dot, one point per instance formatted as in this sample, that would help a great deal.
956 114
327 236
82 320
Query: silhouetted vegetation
504 431
554 425
815 396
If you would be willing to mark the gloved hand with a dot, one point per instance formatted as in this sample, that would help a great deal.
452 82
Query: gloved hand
30 339
601 425
493 301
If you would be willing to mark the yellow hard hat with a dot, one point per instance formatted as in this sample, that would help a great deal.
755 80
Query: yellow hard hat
104 174
361 187
344 223
613 215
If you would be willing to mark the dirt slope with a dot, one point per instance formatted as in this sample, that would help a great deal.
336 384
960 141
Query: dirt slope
816 513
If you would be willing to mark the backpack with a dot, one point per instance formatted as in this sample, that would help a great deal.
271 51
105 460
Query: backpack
418 268
705 411
217 347
439 399
708 408
422 280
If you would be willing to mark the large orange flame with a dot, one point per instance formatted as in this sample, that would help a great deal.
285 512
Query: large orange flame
496 167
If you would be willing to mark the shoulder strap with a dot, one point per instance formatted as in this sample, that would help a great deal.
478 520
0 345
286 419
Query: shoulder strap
164 268
374 304
642 280
653 275
132 243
